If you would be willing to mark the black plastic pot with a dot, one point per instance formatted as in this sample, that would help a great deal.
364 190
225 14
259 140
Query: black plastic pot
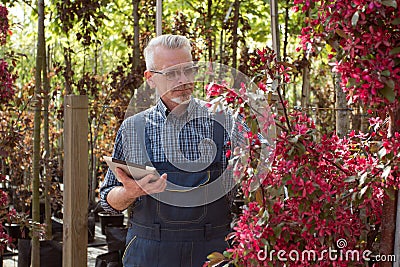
110 220
116 238
15 231
91 227
50 253
57 226
97 208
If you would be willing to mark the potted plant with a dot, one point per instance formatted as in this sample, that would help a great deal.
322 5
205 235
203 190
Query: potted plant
4 237
17 226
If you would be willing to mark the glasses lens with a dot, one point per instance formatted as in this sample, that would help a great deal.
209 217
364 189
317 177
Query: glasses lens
172 74
190 71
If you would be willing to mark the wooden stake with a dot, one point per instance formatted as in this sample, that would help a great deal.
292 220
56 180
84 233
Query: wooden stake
76 166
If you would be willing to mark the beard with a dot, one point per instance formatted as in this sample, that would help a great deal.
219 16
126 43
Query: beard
184 94
181 99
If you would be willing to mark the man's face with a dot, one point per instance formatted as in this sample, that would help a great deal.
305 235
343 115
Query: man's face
174 75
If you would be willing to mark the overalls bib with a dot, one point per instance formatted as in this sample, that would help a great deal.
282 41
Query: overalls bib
164 235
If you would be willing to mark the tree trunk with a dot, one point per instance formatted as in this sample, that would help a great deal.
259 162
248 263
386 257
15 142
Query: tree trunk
285 44
305 89
209 30
342 118
285 40
235 37
356 119
47 174
389 210
68 71
93 163
136 29
35 258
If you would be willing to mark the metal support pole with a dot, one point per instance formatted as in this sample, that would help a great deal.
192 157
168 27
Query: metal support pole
275 28
396 263
159 17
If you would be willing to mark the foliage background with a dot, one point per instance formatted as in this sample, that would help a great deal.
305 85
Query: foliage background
95 48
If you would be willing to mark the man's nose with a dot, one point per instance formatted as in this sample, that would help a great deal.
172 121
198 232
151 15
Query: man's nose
182 76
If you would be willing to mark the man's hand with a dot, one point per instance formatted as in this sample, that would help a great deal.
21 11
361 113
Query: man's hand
149 184
121 197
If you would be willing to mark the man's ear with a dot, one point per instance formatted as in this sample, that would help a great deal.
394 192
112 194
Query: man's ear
149 78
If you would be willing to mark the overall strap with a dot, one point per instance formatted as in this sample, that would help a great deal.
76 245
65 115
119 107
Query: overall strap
139 122
219 134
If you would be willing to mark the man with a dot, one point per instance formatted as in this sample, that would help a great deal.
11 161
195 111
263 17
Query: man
182 216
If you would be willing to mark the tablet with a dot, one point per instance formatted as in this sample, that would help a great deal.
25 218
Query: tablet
136 171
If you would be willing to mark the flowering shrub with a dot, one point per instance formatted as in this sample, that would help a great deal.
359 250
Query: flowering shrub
321 192
4 26
365 38
6 82
6 78
316 194
6 93
321 202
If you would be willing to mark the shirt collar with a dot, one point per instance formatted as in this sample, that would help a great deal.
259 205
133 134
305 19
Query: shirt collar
162 108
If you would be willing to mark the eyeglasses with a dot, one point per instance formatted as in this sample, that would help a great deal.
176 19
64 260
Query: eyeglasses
175 74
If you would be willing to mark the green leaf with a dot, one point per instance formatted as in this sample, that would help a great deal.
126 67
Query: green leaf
286 178
294 139
354 19
321 240
388 91
394 51
390 192
290 152
301 207
391 3
390 83
286 236
254 126
227 254
396 21
215 256
278 230
342 34
302 148
385 73
351 82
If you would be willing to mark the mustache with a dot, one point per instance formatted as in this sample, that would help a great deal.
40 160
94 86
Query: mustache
182 88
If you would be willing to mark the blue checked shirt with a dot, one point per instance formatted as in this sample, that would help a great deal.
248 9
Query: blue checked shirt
173 138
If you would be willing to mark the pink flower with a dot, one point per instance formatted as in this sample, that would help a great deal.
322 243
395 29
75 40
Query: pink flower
214 89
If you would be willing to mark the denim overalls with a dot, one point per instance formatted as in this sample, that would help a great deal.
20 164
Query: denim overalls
164 235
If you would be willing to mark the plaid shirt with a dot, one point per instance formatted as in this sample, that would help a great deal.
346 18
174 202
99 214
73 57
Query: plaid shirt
173 138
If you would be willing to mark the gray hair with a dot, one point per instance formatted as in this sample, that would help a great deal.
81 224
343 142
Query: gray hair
168 41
